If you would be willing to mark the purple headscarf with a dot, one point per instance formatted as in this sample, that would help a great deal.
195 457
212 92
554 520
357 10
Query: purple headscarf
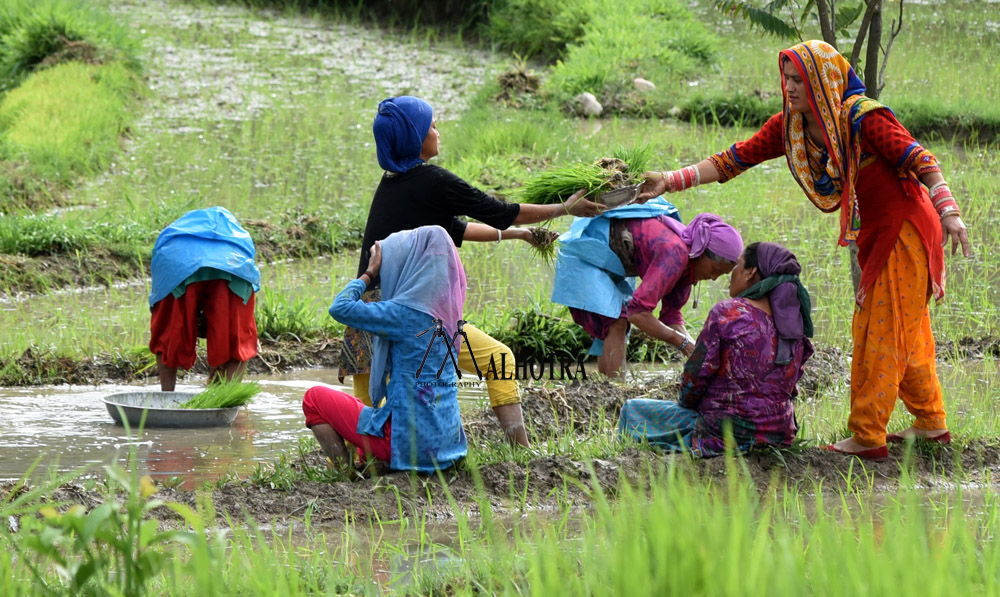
421 270
400 128
708 231
790 303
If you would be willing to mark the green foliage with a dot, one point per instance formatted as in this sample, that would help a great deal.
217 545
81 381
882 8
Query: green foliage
38 33
224 394
658 40
729 108
281 315
67 120
636 157
763 19
542 332
116 548
538 29
556 184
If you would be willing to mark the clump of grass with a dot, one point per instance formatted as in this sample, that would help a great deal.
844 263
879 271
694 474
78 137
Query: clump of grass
543 332
67 120
279 315
559 183
624 168
224 394
636 158
35 34
544 242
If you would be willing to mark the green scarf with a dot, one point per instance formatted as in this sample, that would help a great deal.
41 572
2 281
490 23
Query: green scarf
765 286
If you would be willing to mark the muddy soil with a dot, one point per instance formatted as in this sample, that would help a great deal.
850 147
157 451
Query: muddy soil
275 356
544 482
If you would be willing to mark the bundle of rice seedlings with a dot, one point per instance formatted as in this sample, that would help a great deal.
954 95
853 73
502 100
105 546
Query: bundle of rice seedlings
544 242
637 159
555 185
224 394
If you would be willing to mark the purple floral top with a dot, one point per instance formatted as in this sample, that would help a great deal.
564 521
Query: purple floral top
732 375
661 259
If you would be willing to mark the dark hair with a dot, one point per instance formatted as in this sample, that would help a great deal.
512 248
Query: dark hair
719 258
750 256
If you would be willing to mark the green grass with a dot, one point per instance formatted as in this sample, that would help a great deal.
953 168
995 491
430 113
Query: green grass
67 120
667 532
36 34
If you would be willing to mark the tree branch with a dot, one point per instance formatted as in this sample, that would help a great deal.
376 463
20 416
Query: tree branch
862 32
894 29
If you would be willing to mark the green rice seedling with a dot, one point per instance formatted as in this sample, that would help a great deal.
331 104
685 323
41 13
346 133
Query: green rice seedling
552 186
555 185
545 243
224 394
637 158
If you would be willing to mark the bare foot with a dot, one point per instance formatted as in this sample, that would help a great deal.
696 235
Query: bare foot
921 433
850 446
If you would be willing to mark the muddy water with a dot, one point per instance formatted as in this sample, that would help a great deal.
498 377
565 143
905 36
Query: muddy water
68 427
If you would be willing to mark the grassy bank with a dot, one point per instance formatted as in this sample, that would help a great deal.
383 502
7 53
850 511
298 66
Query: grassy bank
69 87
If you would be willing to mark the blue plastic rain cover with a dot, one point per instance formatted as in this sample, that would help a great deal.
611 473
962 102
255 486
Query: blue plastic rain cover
209 237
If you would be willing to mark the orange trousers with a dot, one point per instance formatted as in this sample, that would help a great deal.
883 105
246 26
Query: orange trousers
894 347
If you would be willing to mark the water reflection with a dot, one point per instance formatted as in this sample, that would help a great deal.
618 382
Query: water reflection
69 428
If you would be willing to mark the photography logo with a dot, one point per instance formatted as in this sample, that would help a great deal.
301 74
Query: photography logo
439 332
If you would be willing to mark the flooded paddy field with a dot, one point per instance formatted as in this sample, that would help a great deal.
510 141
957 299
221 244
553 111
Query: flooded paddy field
269 114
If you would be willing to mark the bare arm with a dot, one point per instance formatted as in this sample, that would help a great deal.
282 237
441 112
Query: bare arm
482 233
658 183
575 205
655 328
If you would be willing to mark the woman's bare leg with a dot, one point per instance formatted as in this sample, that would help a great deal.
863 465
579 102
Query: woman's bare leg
612 360
168 375
233 369
332 444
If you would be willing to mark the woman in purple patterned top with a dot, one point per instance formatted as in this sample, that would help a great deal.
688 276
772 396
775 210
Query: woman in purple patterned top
744 367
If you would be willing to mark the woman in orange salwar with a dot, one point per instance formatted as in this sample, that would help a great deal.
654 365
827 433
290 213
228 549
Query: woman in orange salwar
849 152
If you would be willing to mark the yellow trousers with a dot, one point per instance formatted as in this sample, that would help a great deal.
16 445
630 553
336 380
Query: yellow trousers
894 347
484 347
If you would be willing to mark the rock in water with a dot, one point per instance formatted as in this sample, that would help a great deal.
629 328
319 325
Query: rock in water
643 85
588 104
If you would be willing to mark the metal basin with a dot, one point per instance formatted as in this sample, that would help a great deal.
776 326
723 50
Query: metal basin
163 410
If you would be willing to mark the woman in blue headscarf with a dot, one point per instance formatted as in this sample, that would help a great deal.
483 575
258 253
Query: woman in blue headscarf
416 425
414 193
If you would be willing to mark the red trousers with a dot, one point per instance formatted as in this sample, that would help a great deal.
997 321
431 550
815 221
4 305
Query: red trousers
232 330
341 411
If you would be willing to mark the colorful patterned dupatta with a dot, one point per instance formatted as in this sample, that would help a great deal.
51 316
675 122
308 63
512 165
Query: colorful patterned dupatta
836 96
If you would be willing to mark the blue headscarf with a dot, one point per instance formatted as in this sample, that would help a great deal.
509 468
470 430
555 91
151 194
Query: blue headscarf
420 270
400 128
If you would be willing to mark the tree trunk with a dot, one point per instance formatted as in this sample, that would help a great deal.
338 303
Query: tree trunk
871 55
826 22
